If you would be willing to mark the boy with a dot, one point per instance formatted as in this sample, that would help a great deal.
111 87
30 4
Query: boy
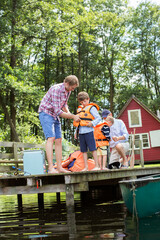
89 118
102 137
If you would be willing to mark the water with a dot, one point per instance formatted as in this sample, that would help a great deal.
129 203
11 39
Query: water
91 220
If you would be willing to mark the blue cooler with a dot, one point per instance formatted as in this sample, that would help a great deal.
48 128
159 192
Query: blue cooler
34 162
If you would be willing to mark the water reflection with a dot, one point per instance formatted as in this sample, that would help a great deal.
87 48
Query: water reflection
144 229
91 220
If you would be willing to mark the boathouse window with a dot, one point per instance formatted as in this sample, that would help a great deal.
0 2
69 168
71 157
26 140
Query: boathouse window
145 141
134 118
155 138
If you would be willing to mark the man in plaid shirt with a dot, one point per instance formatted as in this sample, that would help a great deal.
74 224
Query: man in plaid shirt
53 106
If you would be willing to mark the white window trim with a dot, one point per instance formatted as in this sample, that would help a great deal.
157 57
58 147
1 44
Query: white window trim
139 115
155 138
140 137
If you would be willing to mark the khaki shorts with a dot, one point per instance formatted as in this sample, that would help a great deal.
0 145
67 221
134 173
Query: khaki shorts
102 151
115 157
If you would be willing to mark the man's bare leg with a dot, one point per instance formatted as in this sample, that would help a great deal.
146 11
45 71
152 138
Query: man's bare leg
58 153
121 152
94 153
49 153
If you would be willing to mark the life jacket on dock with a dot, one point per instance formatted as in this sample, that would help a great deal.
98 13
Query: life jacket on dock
75 162
101 134
85 115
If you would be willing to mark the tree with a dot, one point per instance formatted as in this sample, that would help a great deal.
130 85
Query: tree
145 46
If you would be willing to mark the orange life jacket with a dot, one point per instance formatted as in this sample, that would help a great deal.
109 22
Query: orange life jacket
78 163
70 159
85 115
100 139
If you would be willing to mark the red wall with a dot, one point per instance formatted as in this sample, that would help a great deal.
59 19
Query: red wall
149 123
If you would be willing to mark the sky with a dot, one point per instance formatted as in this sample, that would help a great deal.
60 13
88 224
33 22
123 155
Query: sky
134 3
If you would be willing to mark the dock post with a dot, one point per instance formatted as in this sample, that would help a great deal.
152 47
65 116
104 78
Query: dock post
19 199
69 194
58 196
40 201
70 197
141 153
71 221
15 149
84 197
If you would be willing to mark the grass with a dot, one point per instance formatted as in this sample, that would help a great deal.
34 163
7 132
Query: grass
149 165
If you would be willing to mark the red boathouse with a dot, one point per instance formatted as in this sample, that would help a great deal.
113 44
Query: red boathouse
147 128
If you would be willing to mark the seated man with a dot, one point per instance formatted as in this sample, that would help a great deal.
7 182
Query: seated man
119 143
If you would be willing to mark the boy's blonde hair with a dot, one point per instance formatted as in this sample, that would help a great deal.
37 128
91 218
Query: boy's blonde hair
82 96
72 80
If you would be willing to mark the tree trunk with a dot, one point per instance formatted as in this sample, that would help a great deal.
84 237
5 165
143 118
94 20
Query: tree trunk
111 90
13 64
57 66
45 67
79 59
156 83
63 71
15 135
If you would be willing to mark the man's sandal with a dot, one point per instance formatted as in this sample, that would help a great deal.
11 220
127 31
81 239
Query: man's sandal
124 166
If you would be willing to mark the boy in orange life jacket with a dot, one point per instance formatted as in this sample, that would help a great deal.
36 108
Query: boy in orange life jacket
102 137
89 118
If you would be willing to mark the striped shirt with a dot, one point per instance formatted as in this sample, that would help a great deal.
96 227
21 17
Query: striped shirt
54 100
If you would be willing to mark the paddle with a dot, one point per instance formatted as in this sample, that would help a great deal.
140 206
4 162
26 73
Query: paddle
132 159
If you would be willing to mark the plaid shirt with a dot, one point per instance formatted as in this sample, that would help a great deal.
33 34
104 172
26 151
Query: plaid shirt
55 99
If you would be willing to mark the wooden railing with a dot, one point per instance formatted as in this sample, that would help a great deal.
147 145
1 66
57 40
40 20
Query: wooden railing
11 155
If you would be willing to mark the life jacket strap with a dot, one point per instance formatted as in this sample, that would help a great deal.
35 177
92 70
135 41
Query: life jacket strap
88 119
99 140
80 112
102 148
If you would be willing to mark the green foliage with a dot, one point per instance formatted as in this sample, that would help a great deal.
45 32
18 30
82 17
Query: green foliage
113 49
126 91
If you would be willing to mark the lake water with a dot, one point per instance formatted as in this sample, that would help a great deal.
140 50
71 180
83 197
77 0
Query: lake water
91 220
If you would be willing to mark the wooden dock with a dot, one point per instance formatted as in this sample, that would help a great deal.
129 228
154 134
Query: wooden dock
13 183
16 184
68 182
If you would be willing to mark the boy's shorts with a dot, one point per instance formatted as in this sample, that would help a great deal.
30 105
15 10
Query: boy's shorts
87 141
51 127
102 151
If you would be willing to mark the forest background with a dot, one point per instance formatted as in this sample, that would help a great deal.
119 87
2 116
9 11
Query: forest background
110 46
